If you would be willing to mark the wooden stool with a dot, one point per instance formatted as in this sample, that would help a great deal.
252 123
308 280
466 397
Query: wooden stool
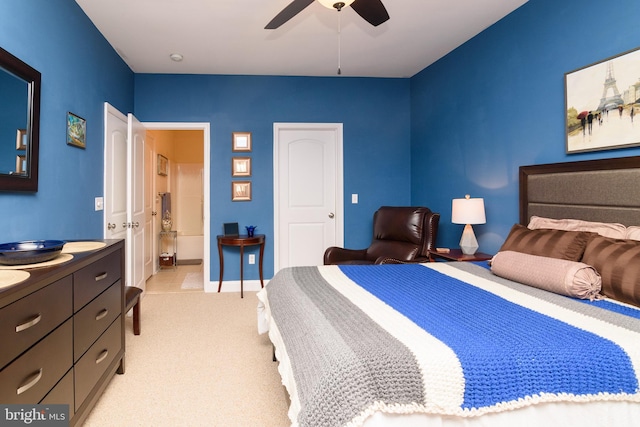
132 299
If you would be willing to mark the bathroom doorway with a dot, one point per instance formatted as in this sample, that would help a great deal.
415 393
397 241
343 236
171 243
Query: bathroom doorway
182 187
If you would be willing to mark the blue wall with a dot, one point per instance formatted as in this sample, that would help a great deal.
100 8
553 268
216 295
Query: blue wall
463 125
80 71
375 116
497 103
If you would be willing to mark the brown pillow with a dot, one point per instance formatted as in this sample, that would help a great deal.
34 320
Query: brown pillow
560 244
618 262
570 278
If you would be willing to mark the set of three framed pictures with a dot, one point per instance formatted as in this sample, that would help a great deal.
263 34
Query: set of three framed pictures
241 167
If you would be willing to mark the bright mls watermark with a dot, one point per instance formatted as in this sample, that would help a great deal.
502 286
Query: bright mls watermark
34 415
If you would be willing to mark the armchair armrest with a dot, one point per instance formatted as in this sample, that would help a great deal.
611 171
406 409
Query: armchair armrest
416 260
335 255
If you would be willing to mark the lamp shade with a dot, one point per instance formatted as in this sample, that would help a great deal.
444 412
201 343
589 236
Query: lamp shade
468 211
329 3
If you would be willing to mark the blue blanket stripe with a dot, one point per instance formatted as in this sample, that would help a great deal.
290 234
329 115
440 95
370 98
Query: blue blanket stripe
507 351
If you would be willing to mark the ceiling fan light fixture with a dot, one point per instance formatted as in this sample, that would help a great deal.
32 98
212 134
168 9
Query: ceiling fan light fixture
332 4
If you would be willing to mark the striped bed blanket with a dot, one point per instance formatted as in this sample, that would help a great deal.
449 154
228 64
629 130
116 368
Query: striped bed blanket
442 338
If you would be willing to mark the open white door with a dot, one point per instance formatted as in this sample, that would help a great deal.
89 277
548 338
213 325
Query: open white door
124 210
115 173
136 203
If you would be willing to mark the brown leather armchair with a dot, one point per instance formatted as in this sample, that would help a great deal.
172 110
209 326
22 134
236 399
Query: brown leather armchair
399 233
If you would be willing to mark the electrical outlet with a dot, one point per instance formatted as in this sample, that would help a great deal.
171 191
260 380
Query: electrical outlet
99 203
354 199
252 259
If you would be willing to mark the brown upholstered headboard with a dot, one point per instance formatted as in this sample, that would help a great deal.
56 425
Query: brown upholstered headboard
606 190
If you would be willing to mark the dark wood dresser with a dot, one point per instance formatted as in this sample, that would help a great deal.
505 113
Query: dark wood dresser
62 331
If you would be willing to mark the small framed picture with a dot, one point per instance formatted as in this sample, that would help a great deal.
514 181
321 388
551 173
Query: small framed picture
230 228
241 141
162 165
76 131
240 191
21 139
241 166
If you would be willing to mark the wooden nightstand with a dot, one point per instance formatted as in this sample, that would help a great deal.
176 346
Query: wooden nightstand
457 255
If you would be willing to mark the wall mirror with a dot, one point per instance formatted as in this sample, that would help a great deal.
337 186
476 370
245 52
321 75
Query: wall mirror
19 124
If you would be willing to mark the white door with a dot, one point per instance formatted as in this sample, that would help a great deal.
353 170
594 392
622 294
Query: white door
307 191
115 173
124 189
136 203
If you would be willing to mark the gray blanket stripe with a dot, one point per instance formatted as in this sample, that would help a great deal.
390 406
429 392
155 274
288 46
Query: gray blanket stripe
337 374
572 304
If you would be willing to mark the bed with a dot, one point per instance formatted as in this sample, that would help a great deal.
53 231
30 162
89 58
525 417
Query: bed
535 338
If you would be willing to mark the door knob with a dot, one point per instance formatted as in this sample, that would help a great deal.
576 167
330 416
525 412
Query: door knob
331 215
154 213
111 226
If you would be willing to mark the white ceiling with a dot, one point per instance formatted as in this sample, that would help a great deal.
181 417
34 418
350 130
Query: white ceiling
228 37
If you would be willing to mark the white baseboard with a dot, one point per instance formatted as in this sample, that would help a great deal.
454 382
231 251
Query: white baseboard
234 286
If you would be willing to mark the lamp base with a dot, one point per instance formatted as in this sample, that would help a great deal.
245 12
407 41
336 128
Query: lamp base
468 242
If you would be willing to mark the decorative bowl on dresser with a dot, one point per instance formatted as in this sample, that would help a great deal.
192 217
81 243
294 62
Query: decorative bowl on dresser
62 331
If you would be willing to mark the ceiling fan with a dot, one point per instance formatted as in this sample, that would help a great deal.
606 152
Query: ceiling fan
372 11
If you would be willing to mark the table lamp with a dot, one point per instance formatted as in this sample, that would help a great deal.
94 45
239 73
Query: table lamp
468 211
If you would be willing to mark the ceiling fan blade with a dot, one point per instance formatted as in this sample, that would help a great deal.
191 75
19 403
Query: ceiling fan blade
295 7
373 11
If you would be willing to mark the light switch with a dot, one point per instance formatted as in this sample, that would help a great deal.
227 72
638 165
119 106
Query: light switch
99 203
354 199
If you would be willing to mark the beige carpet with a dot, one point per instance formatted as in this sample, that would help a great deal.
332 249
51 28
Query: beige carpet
199 361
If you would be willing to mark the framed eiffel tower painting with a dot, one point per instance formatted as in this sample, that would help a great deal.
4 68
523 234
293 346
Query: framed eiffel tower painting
602 103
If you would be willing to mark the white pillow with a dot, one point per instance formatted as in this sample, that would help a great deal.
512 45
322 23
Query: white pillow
633 233
606 229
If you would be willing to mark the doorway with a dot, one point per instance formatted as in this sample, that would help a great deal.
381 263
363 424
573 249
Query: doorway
182 167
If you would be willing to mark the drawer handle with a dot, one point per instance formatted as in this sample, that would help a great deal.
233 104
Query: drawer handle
102 356
101 276
102 314
31 322
31 381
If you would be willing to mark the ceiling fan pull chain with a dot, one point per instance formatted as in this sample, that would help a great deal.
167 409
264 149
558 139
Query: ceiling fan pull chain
339 40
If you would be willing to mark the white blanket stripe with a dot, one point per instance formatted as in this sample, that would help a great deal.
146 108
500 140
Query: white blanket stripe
628 340
442 375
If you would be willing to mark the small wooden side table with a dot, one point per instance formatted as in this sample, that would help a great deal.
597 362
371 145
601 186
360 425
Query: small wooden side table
242 241
457 255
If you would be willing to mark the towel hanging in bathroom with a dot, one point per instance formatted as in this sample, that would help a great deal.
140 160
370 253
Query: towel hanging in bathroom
166 204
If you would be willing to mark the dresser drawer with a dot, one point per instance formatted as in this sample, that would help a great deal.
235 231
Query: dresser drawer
90 322
27 320
96 360
91 280
29 378
62 393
